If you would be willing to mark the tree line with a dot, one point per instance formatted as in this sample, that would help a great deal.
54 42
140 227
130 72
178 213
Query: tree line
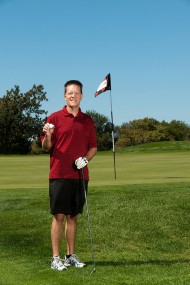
22 118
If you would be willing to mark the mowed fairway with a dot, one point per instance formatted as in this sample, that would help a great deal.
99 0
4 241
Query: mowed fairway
131 168
140 221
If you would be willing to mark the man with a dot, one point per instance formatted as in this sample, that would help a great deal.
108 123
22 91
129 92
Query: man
69 135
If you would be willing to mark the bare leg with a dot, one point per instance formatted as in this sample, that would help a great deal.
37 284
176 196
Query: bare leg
56 233
70 233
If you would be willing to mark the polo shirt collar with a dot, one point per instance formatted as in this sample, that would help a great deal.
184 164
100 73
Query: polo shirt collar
67 114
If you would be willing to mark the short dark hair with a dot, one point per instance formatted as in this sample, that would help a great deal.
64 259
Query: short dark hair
70 82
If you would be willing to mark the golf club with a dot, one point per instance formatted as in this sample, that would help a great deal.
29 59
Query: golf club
89 228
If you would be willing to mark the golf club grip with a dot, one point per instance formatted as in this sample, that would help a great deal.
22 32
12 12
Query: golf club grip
82 170
83 181
84 186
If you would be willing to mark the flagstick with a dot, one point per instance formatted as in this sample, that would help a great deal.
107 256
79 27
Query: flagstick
113 141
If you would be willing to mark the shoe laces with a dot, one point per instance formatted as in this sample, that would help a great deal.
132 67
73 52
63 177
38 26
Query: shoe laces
58 260
75 258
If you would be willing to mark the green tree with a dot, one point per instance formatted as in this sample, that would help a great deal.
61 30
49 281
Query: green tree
142 131
150 130
21 119
103 130
178 130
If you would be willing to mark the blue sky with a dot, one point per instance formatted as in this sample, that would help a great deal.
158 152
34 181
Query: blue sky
143 44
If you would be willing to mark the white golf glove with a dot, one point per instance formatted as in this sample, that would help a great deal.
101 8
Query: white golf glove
81 162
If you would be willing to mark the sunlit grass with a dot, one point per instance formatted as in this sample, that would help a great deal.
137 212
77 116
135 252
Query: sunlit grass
140 235
140 221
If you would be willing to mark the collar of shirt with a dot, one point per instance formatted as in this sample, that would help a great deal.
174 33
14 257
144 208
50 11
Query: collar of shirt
67 114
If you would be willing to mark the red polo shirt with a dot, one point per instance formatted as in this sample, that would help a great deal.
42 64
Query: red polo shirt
72 138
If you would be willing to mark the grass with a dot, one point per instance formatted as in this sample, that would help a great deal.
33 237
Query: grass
168 146
140 222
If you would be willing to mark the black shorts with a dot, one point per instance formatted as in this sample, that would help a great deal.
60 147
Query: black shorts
67 196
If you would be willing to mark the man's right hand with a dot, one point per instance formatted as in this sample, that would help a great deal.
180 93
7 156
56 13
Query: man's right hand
48 129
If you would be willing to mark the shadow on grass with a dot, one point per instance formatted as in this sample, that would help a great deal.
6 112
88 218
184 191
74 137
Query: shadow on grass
139 262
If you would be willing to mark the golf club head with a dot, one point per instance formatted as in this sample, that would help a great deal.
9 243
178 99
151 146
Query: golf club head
93 271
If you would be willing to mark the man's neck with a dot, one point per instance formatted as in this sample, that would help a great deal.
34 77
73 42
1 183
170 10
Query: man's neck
72 110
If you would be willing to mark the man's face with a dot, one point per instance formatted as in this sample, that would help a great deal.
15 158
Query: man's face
73 95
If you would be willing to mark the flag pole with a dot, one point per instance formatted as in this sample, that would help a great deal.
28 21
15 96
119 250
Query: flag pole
104 86
112 133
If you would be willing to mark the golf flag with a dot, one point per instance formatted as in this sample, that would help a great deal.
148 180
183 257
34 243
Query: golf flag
104 86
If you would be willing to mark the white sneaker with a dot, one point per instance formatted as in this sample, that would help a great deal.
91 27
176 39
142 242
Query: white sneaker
57 264
74 261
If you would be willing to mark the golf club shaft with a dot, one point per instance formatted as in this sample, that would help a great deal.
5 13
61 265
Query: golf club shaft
88 216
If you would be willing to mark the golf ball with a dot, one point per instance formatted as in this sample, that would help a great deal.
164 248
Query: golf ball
51 126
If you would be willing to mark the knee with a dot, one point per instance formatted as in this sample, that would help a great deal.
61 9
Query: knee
59 218
71 219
